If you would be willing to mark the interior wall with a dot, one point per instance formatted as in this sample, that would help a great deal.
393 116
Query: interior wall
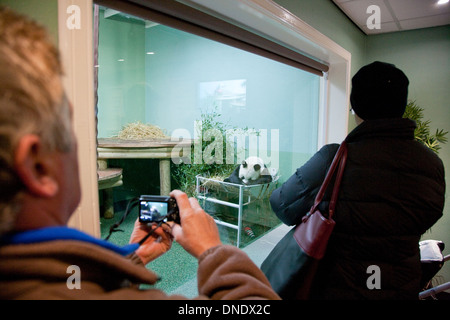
423 55
187 76
121 74
166 88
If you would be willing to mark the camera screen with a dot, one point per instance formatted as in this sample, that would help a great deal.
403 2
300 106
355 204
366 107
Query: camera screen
152 211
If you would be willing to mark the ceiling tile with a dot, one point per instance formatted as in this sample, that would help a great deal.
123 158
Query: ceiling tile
397 15
425 22
410 9
357 10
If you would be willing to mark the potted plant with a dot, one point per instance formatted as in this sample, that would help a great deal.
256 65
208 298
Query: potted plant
422 132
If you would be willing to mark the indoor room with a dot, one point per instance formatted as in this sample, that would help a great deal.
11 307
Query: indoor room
189 94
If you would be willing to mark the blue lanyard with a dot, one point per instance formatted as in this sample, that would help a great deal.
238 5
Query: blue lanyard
64 233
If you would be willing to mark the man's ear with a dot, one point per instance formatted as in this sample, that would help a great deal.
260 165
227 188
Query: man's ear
34 166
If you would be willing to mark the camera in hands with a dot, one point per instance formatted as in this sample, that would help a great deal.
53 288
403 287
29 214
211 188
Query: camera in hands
157 209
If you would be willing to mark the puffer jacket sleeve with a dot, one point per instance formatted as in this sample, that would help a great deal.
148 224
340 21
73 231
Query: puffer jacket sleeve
227 273
294 198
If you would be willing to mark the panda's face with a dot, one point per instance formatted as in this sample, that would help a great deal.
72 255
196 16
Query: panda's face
250 169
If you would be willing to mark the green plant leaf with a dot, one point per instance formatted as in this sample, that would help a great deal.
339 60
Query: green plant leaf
422 131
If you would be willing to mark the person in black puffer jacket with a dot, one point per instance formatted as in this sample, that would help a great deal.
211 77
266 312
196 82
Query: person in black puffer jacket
392 191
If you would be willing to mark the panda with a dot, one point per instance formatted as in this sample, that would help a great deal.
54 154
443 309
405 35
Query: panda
251 171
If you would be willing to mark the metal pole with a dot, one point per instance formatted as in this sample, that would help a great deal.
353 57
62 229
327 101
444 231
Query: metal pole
241 196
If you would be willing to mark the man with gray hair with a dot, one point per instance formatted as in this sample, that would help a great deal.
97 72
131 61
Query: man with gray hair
40 189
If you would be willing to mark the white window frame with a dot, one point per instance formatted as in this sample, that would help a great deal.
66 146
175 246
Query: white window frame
264 17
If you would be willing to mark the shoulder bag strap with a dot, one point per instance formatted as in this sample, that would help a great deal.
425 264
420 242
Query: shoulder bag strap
339 160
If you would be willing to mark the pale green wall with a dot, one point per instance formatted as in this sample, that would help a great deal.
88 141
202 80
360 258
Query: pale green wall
424 56
121 90
277 96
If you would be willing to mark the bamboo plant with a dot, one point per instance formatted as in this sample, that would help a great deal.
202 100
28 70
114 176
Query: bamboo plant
185 174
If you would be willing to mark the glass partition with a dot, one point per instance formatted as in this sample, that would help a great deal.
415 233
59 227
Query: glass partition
228 104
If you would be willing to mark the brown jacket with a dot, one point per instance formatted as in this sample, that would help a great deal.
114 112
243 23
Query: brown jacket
40 271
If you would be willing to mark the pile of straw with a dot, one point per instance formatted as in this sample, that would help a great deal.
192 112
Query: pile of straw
140 131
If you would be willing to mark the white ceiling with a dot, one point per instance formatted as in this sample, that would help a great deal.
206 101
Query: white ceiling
396 15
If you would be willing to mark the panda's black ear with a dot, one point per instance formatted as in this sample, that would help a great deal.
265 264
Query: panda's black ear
244 164
257 167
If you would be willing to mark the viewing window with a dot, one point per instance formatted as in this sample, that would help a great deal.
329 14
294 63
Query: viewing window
152 74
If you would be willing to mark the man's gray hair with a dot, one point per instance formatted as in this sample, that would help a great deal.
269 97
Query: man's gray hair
32 101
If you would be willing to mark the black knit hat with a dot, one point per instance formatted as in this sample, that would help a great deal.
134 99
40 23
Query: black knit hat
379 90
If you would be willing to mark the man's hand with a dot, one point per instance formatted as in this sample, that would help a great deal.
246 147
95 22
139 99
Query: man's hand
198 232
157 244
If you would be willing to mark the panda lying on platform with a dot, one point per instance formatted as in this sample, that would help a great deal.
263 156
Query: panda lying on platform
251 171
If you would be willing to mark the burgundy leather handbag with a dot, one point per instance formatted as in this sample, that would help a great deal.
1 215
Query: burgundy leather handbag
292 264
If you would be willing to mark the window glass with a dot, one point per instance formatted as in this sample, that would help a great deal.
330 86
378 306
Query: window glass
157 75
